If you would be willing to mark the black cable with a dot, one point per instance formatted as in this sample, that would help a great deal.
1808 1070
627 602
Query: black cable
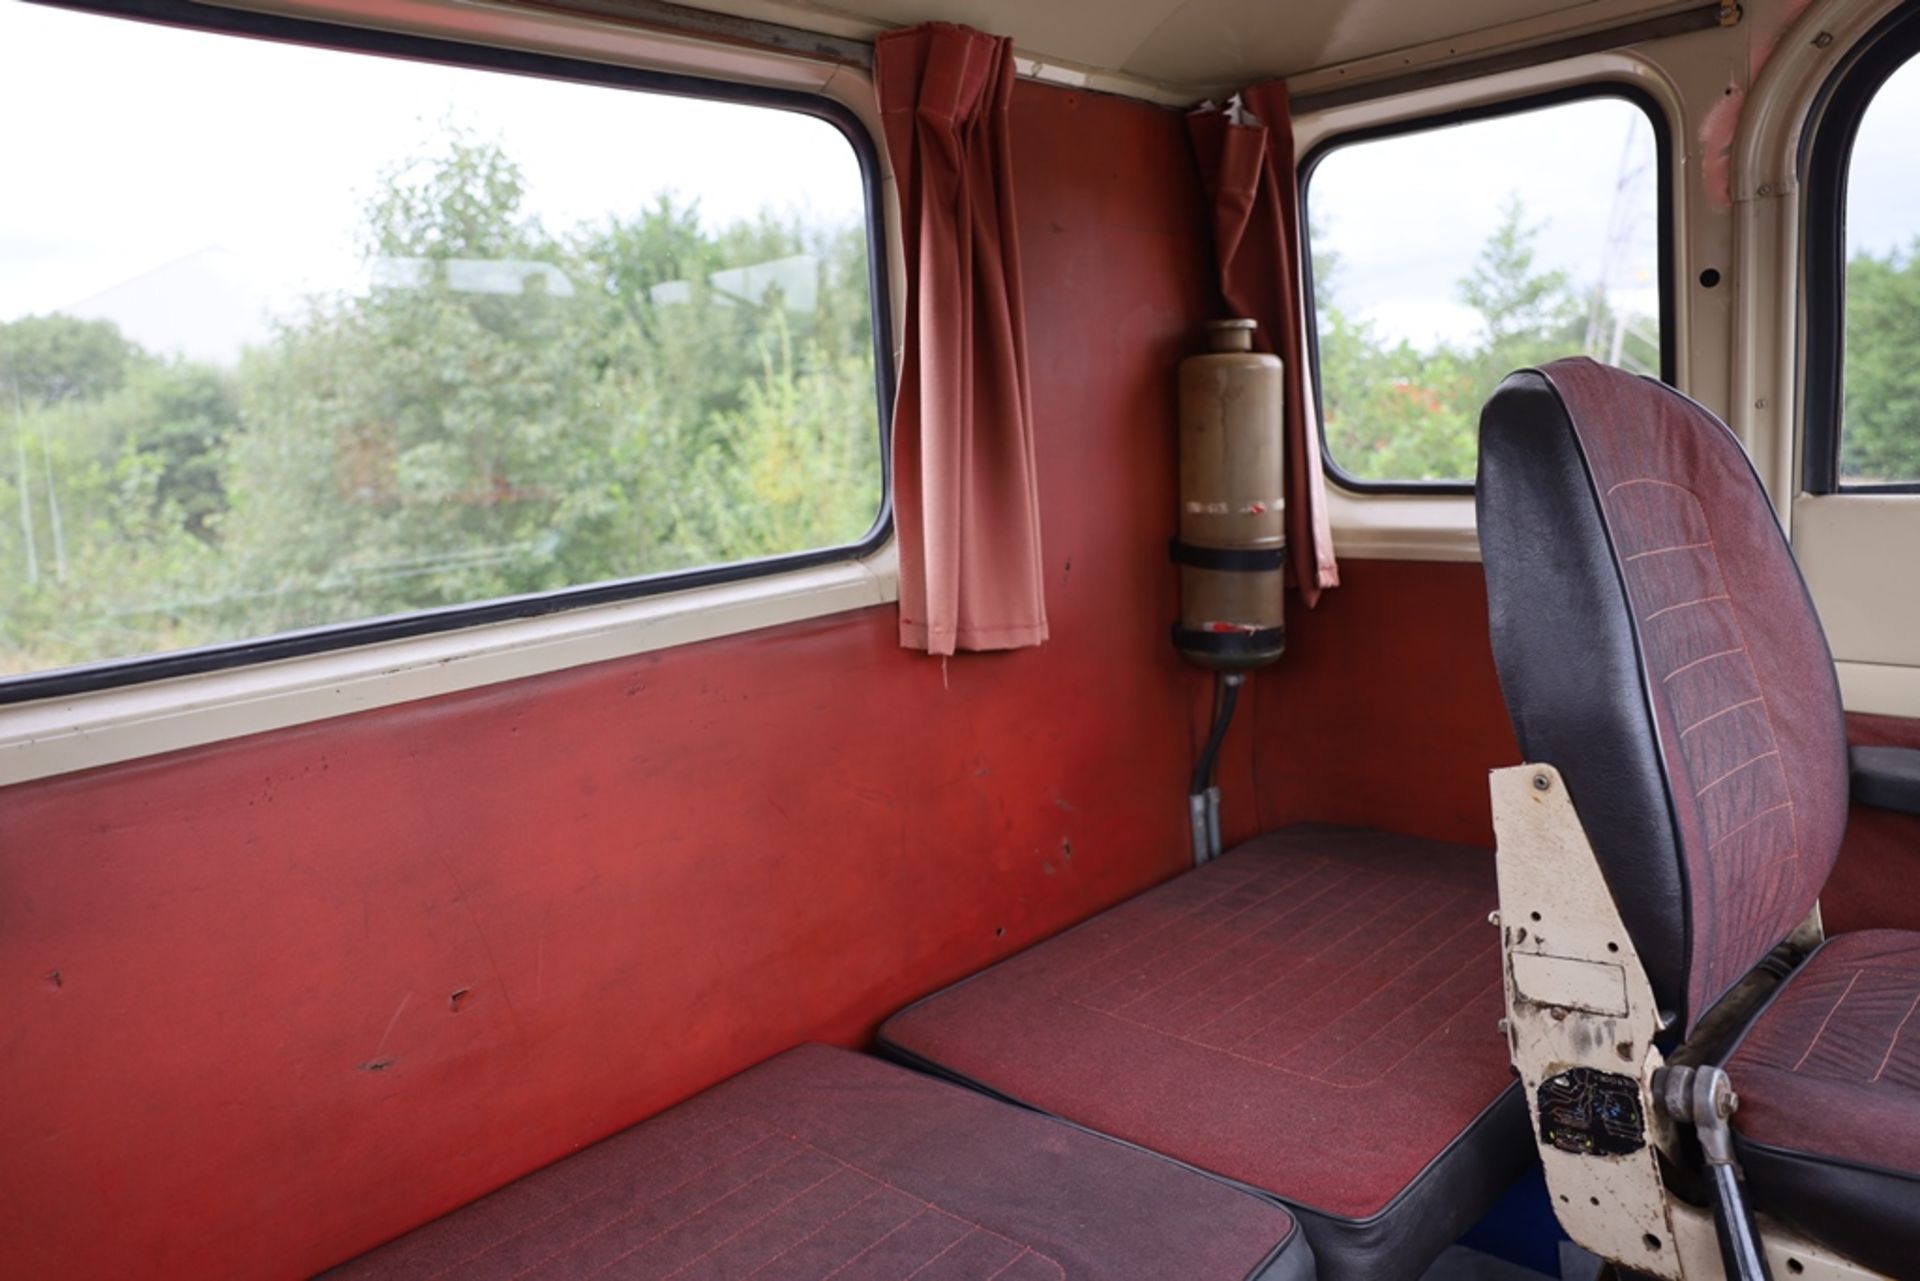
1226 695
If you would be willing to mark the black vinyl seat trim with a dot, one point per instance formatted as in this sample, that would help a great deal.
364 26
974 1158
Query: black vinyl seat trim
1886 778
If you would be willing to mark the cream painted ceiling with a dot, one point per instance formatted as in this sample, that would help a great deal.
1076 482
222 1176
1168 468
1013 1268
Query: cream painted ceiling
1201 44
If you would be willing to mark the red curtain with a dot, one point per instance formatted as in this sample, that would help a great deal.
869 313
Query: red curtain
1245 154
966 504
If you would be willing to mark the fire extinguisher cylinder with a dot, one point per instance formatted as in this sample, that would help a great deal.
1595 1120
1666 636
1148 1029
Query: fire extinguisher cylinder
1232 542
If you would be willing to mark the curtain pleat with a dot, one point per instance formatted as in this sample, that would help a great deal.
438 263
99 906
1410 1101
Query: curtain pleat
966 500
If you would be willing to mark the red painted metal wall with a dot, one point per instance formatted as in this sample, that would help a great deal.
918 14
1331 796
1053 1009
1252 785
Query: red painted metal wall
1387 711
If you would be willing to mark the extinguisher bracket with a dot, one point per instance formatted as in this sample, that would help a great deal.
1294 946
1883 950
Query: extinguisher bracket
1231 560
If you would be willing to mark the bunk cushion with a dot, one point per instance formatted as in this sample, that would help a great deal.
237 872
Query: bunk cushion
826 1163
1312 1015
1828 1077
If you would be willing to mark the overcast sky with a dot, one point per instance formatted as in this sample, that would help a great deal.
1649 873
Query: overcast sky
130 147
1407 215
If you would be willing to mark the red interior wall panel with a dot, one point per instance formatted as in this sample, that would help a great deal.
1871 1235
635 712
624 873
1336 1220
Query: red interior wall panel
1386 711
1876 881
269 1002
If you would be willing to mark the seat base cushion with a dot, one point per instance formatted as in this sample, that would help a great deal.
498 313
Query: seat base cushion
823 1163
1312 1015
1828 1077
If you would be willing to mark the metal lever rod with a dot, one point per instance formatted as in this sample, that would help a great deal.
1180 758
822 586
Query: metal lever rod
1704 1097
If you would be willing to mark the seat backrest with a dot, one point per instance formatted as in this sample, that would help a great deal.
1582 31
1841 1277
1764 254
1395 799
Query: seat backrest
1656 644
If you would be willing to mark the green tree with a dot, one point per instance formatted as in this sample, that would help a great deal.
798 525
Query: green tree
1396 412
1529 316
1880 421
46 360
508 409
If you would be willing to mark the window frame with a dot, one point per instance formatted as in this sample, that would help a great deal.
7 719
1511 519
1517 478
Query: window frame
1826 166
1587 90
108 674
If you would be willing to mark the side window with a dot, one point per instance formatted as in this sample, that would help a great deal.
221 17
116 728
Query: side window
1879 441
1446 254
296 337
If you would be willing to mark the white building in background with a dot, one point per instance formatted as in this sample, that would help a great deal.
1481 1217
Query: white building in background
207 306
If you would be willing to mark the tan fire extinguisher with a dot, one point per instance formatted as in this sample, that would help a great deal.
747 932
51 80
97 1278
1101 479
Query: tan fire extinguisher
1232 541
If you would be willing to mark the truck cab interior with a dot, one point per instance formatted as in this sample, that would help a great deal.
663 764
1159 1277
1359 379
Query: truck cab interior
1142 639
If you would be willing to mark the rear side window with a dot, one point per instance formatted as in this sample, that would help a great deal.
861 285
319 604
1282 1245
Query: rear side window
293 338
1446 254
1880 366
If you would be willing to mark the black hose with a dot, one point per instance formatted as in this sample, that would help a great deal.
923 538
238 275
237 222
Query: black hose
1226 693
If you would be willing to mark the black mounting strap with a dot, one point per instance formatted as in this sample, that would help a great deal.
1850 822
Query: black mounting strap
1233 560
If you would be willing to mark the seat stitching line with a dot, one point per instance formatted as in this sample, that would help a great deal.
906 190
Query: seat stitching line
1649 480
795 1245
1414 1046
577 1202
1783 805
1440 946
1845 992
1722 653
889 1183
1245 962
1337 1083
1184 918
1685 604
1252 960
1750 761
1321 951
875 1244
1015 1259
1661 551
1239 968
1177 921
951 1247
1717 715
731 1237
682 1221
1895 1042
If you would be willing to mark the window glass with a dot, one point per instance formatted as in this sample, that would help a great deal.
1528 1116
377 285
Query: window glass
293 337
1880 416
1445 258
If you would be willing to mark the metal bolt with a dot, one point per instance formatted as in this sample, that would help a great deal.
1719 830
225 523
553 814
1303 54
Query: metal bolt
1822 40
1541 783
1501 1027
1493 918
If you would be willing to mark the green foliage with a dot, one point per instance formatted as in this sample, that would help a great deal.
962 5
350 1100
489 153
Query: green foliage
1395 412
507 410
46 360
1880 421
